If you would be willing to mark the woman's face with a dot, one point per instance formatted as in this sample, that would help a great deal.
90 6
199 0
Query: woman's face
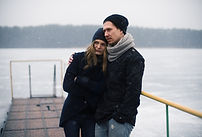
99 46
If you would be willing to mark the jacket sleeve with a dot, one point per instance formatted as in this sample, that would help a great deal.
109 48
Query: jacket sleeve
95 87
131 100
71 73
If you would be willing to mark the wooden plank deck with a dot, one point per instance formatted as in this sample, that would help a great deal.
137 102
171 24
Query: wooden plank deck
35 117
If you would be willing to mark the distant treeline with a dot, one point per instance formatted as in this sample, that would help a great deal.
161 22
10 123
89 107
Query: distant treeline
68 36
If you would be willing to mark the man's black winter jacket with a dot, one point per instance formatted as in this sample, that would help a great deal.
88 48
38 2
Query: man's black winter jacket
124 82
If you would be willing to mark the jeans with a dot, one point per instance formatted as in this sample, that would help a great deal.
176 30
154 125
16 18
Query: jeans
72 128
112 128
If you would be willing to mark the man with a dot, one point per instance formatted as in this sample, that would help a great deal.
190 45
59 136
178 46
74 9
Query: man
116 113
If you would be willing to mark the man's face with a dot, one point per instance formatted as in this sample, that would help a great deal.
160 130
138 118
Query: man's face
112 33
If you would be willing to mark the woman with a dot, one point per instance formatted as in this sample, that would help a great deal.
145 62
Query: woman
85 83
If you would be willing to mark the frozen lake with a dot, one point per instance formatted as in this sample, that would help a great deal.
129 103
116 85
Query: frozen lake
173 74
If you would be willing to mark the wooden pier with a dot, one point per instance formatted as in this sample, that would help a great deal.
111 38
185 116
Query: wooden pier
34 117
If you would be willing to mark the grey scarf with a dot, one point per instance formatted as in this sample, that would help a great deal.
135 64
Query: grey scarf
121 47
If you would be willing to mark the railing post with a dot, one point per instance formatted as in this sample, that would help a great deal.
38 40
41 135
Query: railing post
30 84
54 81
61 75
167 121
11 79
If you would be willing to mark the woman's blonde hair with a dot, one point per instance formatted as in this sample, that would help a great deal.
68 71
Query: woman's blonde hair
91 58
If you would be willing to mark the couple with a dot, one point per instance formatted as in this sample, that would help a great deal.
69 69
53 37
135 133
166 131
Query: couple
104 84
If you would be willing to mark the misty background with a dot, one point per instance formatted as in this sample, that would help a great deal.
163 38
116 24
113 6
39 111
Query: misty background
71 23
168 33
73 36
183 14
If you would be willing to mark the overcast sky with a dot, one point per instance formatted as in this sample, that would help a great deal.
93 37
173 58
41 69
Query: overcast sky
142 13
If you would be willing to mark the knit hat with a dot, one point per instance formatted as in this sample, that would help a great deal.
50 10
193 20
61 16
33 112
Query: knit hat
119 21
99 34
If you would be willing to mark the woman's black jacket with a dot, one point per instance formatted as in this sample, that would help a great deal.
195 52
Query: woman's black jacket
84 88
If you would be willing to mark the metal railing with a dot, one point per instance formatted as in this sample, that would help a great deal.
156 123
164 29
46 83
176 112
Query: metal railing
172 104
146 94
38 60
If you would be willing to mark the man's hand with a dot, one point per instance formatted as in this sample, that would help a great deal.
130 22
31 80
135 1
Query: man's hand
70 59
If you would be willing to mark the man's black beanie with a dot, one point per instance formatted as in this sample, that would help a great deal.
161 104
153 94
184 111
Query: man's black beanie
99 34
119 21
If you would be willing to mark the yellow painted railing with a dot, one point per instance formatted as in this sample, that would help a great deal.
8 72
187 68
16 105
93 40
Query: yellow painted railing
164 101
172 104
